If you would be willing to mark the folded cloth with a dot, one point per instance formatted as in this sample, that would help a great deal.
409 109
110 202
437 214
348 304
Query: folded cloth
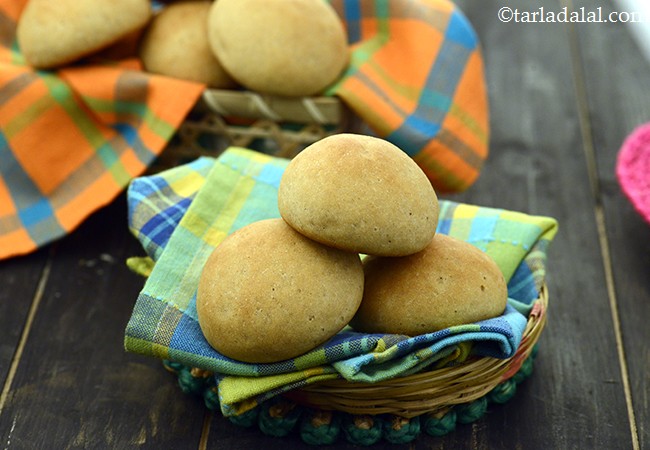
416 77
180 215
633 169
71 140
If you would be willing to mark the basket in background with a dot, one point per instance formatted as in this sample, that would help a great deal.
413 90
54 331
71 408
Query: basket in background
280 126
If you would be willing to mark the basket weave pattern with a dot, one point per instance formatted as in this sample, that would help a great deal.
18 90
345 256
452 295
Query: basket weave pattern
430 391
281 126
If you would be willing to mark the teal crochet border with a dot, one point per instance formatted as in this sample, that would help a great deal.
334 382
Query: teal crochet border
279 417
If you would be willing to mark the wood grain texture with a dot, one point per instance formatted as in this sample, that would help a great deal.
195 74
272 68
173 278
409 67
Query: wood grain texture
617 97
538 165
75 386
19 280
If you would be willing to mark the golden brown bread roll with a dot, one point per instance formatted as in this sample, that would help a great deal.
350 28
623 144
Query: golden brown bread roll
449 283
176 44
267 293
361 194
282 47
53 33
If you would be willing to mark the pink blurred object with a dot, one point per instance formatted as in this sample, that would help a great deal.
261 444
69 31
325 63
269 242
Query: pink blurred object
633 169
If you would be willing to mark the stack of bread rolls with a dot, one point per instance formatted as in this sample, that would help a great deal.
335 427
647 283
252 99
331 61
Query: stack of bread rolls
282 47
278 288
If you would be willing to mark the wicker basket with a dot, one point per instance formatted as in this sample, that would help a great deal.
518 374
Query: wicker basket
281 126
430 391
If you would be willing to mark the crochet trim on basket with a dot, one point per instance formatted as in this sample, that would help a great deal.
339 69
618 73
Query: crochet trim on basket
280 416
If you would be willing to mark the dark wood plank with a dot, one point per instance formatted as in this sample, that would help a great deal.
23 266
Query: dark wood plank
19 278
75 386
617 95
538 166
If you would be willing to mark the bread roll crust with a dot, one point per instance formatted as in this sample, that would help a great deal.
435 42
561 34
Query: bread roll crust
176 44
281 47
361 194
267 293
449 283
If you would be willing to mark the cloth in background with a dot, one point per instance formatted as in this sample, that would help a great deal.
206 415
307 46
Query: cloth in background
72 139
180 215
416 76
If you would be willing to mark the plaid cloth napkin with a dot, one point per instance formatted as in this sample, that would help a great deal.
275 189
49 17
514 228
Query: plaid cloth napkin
71 140
416 78
180 215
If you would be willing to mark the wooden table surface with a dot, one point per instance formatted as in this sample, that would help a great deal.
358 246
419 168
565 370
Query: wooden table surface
563 97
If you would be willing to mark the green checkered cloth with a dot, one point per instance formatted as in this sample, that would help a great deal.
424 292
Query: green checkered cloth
180 215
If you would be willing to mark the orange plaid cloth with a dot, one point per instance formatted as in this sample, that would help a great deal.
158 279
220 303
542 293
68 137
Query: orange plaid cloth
71 140
417 79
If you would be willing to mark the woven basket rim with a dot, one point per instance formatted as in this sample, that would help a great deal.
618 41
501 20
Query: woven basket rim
319 109
281 126
429 391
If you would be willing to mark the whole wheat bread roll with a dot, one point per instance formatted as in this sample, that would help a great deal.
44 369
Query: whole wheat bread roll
282 47
361 194
449 283
267 293
175 44
54 33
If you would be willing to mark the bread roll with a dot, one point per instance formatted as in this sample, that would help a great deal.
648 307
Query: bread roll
176 44
449 283
267 293
361 194
282 47
54 33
